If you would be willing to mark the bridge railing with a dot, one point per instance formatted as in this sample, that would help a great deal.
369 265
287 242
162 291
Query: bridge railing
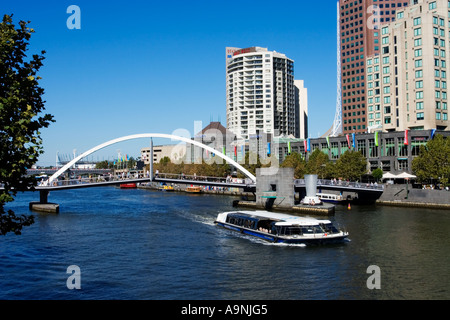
341 183
128 177
183 176
88 180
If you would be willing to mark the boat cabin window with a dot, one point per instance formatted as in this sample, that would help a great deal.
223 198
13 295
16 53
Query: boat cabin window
298 230
255 223
329 228
242 221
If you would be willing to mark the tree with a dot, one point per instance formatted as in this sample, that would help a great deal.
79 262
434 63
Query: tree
351 165
377 174
433 161
251 167
318 163
295 160
105 164
20 123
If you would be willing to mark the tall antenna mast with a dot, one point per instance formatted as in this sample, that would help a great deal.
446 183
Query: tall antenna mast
337 124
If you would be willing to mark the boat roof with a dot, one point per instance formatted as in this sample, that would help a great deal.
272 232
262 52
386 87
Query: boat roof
284 219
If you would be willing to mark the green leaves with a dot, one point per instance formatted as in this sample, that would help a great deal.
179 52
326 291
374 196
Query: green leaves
433 161
351 166
20 121
295 160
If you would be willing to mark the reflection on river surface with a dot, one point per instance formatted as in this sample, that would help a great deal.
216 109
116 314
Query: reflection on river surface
141 244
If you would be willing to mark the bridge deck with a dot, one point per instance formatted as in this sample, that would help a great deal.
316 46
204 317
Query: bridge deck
199 180
342 186
93 182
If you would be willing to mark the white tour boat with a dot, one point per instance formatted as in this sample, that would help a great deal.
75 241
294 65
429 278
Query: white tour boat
330 198
281 228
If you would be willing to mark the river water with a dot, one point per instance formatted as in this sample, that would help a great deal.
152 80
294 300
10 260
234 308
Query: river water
141 244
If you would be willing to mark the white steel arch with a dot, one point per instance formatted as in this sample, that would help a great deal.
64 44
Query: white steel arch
150 135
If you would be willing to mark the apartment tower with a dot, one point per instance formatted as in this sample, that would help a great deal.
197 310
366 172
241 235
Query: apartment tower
407 81
261 94
360 23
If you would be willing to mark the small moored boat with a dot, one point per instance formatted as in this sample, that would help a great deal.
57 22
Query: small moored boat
166 188
281 228
128 186
193 189
330 198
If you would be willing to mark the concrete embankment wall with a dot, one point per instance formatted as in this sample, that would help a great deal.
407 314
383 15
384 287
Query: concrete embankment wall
403 195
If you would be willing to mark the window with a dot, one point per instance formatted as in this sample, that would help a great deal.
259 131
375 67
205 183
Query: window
419 105
390 147
418 31
438 116
418 63
417 21
419 84
418 53
432 5
418 42
402 148
419 95
420 116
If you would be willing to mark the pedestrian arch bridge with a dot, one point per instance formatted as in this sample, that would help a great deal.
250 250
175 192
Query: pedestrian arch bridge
51 180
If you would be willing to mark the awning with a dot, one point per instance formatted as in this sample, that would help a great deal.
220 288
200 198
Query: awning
405 175
389 175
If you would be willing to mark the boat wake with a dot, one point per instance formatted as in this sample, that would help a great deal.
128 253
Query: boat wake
258 240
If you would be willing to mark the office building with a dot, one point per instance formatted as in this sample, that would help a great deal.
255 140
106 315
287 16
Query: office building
261 94
407 81
359 33
176 153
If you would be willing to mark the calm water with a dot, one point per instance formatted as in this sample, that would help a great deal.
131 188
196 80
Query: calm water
140 244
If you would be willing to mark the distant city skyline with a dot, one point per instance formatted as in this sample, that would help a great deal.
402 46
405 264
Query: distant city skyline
157 67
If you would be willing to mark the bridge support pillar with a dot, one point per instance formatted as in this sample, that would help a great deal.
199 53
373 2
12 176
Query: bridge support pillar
43 205
151 160
43 196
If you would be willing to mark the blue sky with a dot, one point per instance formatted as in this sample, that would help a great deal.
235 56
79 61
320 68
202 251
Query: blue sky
143 66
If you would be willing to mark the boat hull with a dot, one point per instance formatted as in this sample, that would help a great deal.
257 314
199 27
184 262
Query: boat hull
128 186
195 190
287 240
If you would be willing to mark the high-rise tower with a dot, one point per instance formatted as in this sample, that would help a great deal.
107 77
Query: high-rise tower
359 31
261 94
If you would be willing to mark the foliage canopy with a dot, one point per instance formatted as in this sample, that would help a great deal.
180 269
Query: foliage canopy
20 121
433 161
